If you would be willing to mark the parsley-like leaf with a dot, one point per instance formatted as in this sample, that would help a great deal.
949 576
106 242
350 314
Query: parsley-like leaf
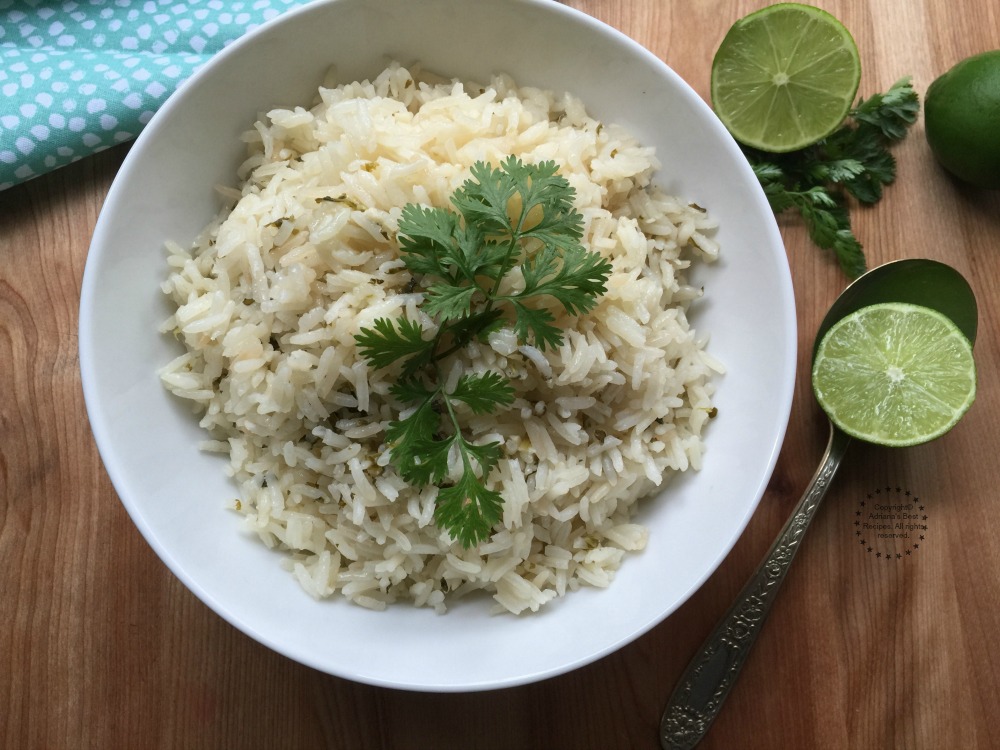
483 392
468 509
385 344
853 163
417 454
512 227
448 301
536 325
575 282
892 112
427 237
484 200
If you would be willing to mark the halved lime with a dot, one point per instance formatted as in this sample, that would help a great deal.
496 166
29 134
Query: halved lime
895 374
785 77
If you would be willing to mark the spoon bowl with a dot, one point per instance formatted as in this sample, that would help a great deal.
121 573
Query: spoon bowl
917 281
713 671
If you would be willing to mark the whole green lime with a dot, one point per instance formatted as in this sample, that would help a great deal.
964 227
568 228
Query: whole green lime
962 118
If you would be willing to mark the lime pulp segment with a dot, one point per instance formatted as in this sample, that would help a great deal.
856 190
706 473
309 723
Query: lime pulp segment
785 77
895 374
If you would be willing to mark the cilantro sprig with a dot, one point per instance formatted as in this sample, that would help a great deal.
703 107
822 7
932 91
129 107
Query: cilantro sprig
853 162
509 253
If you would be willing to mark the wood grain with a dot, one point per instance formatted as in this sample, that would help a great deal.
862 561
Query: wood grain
100 646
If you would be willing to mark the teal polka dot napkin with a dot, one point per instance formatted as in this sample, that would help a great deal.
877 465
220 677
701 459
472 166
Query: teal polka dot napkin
79 76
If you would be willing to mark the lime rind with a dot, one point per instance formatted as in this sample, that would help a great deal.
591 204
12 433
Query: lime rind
895 374
962 117
785 77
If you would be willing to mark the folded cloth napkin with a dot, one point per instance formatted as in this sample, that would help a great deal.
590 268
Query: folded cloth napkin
81 75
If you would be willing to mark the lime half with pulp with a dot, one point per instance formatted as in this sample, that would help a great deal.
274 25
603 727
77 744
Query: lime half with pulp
784 77
894 374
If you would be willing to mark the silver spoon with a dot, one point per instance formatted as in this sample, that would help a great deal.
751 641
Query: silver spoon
706 682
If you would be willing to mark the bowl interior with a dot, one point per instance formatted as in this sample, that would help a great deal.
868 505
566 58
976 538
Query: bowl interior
174 492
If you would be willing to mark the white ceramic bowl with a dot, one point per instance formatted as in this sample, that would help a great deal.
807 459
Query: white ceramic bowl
148 439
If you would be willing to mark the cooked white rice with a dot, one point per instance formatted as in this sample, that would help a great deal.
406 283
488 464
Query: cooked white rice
270 296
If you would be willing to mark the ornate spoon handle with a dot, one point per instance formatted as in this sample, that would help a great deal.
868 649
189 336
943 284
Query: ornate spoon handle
712 672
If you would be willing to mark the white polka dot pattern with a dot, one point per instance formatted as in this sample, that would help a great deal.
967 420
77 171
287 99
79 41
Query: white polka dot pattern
79 76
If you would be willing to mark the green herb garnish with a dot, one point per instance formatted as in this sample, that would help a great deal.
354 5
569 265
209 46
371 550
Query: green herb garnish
852 161
509 254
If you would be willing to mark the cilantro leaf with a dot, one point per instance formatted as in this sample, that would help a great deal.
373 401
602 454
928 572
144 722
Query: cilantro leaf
853 163
483 200
425 236
825 218
540 184
411 389
469 509
486 455
477 325
449 302
419 457
515 223
384 344
483 392
865 149
890 113
836 170
575 283
536 325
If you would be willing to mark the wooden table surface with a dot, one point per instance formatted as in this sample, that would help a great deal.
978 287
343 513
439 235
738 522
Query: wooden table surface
100 646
